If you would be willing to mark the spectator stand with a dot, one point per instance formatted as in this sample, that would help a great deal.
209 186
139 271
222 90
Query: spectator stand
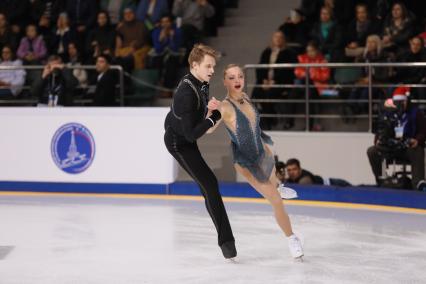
26 98
331 95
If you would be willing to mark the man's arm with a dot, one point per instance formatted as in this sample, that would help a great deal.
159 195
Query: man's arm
185 106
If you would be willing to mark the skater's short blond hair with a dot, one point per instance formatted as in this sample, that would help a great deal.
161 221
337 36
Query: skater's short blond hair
229 66
199 51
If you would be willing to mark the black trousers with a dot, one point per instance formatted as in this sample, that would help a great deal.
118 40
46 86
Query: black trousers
414 155
189 157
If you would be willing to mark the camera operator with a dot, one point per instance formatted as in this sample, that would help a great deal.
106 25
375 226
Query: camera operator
401 134
56 84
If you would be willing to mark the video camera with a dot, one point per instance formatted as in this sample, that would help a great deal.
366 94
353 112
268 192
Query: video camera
387 139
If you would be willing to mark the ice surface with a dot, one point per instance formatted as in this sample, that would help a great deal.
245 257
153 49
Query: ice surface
115 240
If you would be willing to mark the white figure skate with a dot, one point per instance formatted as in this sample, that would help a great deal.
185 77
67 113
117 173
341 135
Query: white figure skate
295 246
286 192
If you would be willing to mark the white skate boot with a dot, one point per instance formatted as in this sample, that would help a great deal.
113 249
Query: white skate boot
295 247
286 192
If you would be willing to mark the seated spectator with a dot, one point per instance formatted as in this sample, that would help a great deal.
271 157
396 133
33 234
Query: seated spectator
318 76
328 35
114 9
106 82
358 31
401 136
277 52
102 37
416 53
150 12
132 41
32 49
301 176
56 84
295 30
74 59
412 75
192 15
167 39
373 53
295 174
398 27
7 37
11 81
63 35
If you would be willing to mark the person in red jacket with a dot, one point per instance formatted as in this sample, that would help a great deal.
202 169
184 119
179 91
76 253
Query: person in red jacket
318 76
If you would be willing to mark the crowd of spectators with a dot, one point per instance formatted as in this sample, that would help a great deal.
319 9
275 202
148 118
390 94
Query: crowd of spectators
321 31
136 34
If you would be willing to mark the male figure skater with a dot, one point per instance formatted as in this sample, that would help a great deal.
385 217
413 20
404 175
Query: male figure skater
190 116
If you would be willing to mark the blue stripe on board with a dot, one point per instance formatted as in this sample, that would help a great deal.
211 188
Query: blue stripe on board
367 195
83 187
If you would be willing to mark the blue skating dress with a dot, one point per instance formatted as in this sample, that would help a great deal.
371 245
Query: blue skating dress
248 147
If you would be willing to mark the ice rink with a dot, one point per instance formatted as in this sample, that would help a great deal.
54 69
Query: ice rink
61 238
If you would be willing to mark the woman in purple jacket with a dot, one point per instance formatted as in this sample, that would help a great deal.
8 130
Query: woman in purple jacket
32 49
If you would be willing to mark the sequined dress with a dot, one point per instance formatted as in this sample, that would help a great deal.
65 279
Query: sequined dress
247 141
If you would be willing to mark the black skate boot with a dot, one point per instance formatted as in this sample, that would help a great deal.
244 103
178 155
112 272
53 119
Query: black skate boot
228 249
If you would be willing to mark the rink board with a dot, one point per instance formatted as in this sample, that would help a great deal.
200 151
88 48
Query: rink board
111 145
361 195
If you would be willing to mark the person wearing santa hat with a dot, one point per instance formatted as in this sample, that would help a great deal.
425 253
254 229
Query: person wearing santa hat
411 127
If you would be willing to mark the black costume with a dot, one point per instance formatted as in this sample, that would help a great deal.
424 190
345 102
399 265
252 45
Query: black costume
185 123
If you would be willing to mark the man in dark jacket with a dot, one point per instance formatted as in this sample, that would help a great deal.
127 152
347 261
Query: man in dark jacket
405 140
190 116
360 28
106 82
413 75
295 174
56 83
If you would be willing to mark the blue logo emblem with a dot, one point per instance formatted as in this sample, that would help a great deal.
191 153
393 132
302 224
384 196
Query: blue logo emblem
73 148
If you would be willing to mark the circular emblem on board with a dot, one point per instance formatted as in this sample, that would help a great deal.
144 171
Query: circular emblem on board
73 148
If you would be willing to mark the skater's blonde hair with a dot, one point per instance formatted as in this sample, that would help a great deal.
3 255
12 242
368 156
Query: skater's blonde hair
229 66
199 51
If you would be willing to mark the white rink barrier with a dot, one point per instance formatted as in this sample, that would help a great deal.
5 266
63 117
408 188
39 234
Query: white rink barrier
85 145
328 154
332 154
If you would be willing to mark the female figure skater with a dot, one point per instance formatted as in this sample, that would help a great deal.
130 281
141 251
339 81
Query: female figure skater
253 157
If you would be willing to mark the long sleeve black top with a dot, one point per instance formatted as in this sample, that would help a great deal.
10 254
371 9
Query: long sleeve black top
187 116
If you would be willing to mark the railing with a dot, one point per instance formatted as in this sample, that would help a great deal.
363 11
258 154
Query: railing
81 67
307 86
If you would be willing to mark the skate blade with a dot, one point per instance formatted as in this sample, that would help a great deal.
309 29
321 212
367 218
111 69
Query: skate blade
299 258
232 260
